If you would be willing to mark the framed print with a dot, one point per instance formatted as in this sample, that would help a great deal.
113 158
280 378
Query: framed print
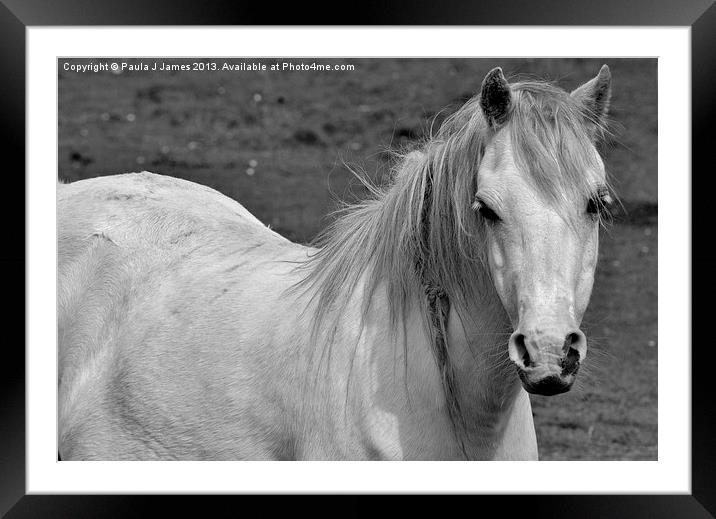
496 287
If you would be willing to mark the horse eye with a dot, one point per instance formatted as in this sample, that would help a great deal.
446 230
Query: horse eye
593 205
600 205
485 211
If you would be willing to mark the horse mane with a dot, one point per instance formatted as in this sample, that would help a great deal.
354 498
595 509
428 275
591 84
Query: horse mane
422 222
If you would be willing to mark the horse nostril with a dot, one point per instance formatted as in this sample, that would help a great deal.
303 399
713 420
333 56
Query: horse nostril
570 363
572 338
575 347
518 341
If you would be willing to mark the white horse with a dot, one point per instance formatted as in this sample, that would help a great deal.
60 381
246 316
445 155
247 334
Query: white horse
189 330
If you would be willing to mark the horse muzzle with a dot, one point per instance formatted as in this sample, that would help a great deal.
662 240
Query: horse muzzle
547 365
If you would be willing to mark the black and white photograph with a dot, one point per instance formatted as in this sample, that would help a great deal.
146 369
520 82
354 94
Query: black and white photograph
267 249
357 259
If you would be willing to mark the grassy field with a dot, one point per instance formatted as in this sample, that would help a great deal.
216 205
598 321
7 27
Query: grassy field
278 143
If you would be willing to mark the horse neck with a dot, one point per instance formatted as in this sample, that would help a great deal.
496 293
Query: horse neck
485 379
407 377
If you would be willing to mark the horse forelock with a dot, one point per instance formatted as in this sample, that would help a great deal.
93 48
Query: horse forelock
553 139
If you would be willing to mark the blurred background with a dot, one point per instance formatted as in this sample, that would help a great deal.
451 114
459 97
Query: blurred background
278 142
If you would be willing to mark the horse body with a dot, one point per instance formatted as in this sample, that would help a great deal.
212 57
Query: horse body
189 330
167 350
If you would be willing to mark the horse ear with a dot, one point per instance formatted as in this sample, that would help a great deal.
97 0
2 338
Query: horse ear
495 97
596 93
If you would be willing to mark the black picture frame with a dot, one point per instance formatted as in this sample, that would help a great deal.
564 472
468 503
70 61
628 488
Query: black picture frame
17 15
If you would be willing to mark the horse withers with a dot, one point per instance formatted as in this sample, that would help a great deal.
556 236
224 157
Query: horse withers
413 329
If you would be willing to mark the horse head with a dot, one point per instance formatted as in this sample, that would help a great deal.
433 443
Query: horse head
541 194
